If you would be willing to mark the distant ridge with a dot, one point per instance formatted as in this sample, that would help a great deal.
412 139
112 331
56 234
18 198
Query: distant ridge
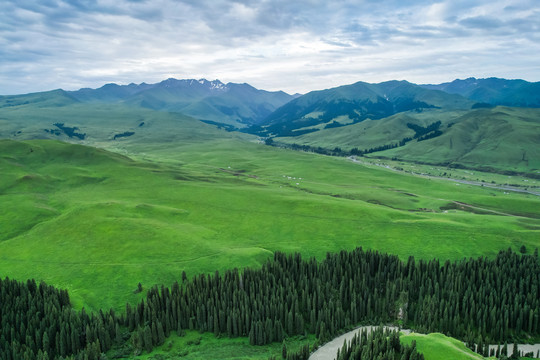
494 91
55 98
350 104
460 123
433 124
236 105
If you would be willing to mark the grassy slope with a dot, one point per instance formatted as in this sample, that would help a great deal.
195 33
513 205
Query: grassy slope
196 346
372 133
101 122
436 346
501 138
97 223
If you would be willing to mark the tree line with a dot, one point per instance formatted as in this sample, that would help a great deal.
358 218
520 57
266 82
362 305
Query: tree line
379 344
38 322
477 300
421 133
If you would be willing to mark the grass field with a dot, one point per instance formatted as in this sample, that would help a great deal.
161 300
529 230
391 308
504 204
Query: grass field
196 346
97 223
436 346
498 139
179 195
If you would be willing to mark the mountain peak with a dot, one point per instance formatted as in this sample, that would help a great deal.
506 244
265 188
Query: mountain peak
214 85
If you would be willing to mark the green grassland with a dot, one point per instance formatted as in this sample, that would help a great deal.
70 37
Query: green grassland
498 139
436 346
97 216
101 123
97 223
481 178
196 346
372 133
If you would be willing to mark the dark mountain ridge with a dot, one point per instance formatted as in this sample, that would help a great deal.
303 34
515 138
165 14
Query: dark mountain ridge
494 91
350 104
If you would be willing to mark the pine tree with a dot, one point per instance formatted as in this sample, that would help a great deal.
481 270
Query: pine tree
148 344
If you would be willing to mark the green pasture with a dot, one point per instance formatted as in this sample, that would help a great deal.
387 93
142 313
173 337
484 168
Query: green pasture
494 140
97 223
436 346
196 346
372 133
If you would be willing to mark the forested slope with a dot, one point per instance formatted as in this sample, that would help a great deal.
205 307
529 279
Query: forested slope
287 296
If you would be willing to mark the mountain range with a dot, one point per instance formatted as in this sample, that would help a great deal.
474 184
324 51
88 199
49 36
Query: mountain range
489 123
350 104
494 91
232 104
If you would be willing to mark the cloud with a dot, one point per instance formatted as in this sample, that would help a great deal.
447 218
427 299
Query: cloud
296 46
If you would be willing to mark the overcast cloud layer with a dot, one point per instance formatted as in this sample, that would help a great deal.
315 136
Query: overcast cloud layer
290 45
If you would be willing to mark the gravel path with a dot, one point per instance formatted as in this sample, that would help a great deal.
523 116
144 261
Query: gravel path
524 348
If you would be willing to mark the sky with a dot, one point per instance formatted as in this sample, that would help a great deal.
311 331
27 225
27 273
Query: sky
290 45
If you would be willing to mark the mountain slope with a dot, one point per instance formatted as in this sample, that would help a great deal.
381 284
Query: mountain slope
53 98
494 91
373 133
237 105
352 104
56 115
501 138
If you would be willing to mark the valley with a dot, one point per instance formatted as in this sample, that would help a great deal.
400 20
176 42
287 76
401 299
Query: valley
146 194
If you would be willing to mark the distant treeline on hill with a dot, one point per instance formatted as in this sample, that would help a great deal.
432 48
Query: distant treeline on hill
70 131
421 133
477 300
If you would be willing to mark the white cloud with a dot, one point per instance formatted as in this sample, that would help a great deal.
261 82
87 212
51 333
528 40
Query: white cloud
295 46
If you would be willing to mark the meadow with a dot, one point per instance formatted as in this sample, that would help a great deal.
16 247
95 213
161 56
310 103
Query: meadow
97 223
145 196
436 346
499 139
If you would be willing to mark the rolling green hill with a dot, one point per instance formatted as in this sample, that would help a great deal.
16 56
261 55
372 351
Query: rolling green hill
498 139
437 346
97 223
372 133
53 98
40 116
491 139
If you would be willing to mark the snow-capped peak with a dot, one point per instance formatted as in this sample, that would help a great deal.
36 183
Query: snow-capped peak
213 85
